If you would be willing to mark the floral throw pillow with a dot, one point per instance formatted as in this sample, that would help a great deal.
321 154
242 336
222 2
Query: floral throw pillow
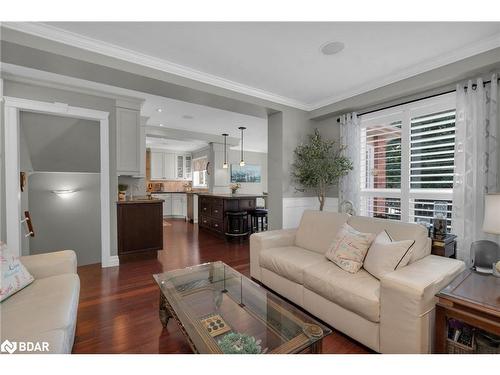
14 275
349 248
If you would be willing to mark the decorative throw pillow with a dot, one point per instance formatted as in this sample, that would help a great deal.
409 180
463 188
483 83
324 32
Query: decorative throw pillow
386 255
14 275
349 248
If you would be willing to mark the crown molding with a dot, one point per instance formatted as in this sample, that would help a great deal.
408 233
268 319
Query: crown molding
89 44
77 40
472 49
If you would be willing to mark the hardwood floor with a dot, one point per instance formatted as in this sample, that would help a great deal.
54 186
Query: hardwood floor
118 311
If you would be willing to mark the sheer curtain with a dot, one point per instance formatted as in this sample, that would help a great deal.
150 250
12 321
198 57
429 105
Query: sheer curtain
476 151
350 185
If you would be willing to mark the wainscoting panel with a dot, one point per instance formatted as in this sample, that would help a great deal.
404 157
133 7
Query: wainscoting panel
294 207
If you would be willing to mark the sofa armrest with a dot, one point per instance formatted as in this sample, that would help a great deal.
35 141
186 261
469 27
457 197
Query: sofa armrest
407 302
268 240
50 264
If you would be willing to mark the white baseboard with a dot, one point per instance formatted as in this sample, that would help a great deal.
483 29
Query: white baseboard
294 207
113 261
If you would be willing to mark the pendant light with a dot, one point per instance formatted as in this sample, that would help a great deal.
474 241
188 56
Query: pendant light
242 161
225 165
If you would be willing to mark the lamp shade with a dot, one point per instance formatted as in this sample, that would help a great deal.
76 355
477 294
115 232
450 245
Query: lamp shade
491 223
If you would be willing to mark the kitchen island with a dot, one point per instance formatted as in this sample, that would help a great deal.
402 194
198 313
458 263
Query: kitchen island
212 208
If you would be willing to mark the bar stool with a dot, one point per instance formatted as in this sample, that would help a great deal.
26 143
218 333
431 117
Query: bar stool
237 224
258 220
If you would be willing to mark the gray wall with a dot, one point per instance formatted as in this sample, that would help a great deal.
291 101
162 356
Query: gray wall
66 223
222 176
275 169
61 144
47 94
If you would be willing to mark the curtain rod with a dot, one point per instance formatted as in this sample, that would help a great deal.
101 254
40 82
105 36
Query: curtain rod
416 100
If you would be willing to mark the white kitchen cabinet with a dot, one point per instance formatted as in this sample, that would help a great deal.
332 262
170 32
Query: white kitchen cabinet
128 145
162 165
142 148
179 166
157 170
167 165
188 167
167 205
177 205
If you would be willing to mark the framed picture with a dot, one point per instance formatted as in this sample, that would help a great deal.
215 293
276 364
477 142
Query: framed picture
247 173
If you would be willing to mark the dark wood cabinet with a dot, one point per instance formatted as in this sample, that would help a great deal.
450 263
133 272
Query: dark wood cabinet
212 209
190 208
140 227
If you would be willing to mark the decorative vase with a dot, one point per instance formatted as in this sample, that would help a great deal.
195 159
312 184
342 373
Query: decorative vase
234 191
122 195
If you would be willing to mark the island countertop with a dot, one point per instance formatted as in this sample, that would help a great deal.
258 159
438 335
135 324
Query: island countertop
135 200
232 196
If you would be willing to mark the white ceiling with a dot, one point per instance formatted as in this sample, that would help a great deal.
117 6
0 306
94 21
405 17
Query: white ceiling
174 144
177 114
281 61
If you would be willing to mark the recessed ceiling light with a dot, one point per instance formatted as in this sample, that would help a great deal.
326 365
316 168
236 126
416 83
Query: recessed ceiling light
188 117
159 110
331 48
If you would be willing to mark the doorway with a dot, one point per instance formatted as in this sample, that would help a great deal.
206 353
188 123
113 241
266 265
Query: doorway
17 230
59 158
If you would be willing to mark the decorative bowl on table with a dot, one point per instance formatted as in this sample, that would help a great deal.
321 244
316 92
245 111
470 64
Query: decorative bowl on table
239 343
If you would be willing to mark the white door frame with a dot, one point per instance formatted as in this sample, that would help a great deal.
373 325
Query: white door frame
12 189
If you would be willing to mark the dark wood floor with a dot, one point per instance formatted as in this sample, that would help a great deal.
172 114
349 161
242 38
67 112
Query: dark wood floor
118 311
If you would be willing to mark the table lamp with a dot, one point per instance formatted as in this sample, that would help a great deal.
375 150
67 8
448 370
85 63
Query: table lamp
485 253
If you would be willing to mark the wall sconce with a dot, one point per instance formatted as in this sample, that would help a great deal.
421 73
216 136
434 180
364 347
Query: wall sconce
64 193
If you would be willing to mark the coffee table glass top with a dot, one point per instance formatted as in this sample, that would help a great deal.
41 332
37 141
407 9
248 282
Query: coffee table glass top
222 311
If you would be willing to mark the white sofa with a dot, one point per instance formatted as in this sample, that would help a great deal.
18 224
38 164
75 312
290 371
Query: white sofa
44 311
391 315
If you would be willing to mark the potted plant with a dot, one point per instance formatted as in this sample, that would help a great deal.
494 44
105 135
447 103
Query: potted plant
319 164
122 191
234 187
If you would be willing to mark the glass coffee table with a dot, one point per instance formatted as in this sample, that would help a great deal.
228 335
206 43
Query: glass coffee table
221 311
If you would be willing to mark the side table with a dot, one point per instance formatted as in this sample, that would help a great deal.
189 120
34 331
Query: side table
445 246
472 299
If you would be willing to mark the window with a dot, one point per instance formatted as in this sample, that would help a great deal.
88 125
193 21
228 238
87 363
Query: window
200 178
407 160
200 172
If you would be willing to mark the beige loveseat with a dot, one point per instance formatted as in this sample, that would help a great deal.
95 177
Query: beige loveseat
44 311
391 315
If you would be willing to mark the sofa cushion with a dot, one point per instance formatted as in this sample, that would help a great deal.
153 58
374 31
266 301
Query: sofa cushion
349 248
357 292
13 275
385 255
289 262
317 229
47 304
398 231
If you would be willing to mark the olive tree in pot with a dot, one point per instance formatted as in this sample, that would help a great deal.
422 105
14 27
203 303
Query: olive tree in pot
319 164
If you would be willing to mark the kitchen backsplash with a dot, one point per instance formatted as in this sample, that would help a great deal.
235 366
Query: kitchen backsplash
171 186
